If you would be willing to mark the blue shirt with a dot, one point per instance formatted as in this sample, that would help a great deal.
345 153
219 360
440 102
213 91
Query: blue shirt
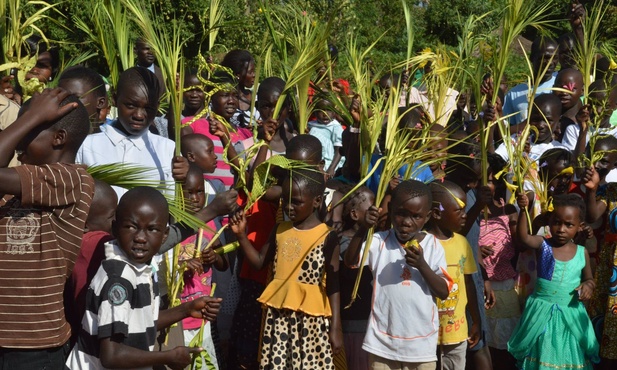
419 171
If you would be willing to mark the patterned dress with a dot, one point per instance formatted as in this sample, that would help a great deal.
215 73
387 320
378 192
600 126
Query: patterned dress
555 331
296 328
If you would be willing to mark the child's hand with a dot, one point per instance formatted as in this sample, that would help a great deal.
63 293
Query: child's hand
181 357
371 217
583 116
414 257
474 335
45 107
522 201
203 308
7 90
486 251
225 203
336 340
490 112
577 14
354 109
194 265
217 128
179 168
269 126
394 182
485 196
208 257
585 290
591 179
237 222
489 295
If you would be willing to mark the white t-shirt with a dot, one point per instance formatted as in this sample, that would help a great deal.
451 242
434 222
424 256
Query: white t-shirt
145 150
404 322
535 150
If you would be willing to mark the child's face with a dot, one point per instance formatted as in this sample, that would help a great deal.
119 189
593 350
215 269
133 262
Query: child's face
547 56
453 215
544 119
43 68
135 111
438 149
572 81
266 103
607 162
298 204
195 98
204 157
247 78
408 216
323 113
140 231
194 192
565 223
559 181
87 96
225 103
367 200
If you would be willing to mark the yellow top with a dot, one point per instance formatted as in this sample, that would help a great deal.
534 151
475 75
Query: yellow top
299 271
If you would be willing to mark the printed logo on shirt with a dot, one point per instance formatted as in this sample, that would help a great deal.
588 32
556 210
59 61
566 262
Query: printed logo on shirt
406 276
117 294
290 250
22 228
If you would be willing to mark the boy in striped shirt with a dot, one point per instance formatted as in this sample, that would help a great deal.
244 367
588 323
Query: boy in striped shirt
122 304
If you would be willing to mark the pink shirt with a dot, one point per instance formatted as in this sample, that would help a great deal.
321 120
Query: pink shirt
496 233
223 171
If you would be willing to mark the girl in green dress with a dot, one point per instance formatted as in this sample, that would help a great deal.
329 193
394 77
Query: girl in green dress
555 331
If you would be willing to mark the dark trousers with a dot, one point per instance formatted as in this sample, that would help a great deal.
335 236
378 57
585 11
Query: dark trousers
34 359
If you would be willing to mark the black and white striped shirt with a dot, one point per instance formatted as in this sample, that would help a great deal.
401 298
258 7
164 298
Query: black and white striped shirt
122 300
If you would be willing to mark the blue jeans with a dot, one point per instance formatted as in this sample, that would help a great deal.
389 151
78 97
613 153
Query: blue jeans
34 359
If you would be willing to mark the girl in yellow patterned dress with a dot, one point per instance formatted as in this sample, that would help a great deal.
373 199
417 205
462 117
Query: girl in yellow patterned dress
302 329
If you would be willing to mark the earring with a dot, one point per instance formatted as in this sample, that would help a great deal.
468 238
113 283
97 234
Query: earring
49 78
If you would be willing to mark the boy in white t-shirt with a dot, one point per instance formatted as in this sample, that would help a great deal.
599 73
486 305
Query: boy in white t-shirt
409 272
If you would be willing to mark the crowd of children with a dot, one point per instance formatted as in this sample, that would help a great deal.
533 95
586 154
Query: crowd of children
505 273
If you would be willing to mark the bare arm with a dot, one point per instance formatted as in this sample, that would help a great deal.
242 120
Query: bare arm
522 230
472 305
335 160
257 259
333 291
115 355
203 307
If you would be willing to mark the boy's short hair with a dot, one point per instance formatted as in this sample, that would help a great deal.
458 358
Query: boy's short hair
304 143
140 76
540 43
309 180
411 189
555 154
188 142
608 141
221 78
543 99
194 170
440 190
76 123
571 200
88 76
141 194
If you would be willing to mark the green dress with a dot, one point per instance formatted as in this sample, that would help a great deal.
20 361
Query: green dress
555 331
